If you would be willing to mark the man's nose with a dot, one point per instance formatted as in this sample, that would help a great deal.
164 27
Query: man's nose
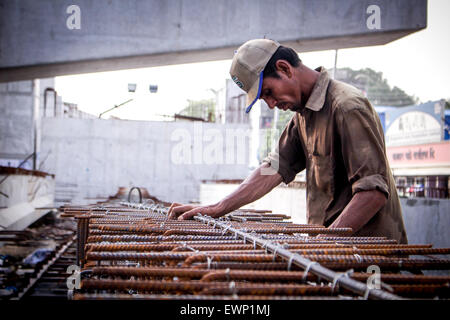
272 103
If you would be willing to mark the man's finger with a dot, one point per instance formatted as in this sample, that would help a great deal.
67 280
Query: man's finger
176 211
170 212
190 214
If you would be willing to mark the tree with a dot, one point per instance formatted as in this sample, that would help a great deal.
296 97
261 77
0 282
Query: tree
375 87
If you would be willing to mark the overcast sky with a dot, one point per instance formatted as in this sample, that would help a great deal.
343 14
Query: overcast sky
419 64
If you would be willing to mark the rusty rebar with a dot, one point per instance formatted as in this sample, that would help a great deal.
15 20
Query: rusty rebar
207 287
256 275
244 254
268 289
137 256
124 238
317 249
423 290
299 276
149 272
193 297
133 229
244 266
393 265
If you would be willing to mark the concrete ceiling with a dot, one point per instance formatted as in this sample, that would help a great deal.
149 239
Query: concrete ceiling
47 38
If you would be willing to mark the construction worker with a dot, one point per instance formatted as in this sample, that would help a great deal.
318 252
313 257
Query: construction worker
335 134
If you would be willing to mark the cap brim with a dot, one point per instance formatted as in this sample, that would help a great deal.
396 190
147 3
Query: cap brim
254 93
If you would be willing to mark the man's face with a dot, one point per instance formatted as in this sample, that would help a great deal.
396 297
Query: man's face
282 93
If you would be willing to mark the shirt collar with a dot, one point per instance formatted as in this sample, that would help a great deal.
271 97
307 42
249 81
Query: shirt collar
317 98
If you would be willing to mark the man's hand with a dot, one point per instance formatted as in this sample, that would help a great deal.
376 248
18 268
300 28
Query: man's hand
251 189
187 211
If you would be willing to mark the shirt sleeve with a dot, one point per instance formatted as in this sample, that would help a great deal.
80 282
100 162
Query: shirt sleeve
288 159
363 148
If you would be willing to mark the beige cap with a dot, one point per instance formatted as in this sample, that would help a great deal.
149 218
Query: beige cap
248 64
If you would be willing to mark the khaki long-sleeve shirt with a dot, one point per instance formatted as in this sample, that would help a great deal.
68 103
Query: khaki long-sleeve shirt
339 140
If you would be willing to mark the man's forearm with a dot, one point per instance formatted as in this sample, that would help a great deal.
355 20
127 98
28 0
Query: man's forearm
251 189
363 206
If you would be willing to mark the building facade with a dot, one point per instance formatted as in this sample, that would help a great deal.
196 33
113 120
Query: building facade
418 148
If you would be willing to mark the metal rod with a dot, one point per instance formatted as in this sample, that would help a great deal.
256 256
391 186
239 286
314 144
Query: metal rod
139 191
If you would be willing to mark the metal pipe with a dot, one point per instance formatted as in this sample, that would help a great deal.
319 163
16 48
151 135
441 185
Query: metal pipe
55 95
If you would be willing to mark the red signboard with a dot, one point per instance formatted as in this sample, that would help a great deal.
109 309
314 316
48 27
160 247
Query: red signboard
431 153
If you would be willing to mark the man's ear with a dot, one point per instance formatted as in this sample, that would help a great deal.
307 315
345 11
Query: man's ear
285 67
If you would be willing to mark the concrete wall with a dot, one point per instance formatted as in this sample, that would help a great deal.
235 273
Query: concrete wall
282 200
43 38
92 157
427 220
16 119
170 159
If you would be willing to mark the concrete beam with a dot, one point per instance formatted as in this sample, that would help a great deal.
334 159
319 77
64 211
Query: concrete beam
42 39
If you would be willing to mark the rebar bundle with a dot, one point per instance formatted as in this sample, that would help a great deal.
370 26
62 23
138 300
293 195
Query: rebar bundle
129 250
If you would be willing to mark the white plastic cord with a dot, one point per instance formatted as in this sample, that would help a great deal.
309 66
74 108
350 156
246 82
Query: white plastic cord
232 287
338 276
305 273
290 262
225 230
367 292
209 260
227 272
275 253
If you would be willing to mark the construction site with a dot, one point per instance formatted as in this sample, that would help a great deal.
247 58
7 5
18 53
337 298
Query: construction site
85 199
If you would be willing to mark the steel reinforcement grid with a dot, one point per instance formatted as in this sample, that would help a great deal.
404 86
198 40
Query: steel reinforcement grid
133 251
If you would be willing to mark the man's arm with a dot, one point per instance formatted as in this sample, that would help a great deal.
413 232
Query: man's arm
363 206
251 189
364 157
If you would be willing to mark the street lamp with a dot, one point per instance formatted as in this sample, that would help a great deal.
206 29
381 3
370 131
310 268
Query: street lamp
131 87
